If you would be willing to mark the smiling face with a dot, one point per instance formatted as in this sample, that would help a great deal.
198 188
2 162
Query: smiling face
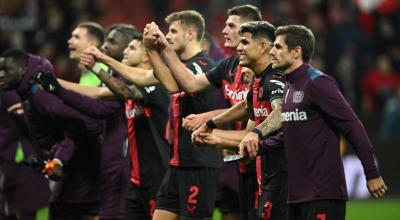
79 41
134 54
10 73
231 31
114 44
282 57
250 50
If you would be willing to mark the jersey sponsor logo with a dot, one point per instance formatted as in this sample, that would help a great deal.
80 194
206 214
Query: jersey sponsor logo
150 89
134 112
298 96
277 82
260 112
294 115
277 91
236 95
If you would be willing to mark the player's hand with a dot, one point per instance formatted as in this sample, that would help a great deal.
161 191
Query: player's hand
210 139
150 36
195 135
194 121
95 53
87 60
16 109
249 145
377 187
53 169
48 82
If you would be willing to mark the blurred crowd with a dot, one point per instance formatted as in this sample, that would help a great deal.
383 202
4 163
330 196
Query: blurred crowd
358 41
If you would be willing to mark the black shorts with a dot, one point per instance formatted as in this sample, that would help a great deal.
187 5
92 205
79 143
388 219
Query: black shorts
272 203
318 210
140 202
247 195
70 211
189 192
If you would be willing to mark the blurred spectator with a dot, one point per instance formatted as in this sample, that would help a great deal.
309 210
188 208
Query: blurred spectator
379 84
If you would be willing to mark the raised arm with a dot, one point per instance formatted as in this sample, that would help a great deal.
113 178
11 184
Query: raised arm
119 89
138 76
152 41
187 81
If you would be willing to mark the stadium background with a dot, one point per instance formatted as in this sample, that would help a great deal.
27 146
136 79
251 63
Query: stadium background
358 42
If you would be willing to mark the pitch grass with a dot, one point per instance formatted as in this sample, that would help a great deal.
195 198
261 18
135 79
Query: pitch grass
371 209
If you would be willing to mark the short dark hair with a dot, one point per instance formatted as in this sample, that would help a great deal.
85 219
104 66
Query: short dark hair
19 56
189 18
298 36
127 30
259 29
246 13
94 30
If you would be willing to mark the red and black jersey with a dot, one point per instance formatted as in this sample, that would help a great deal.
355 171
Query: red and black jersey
149 150
185 153
228 76
267 86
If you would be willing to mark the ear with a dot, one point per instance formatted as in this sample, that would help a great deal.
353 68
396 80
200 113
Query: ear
190 34
297 52
145 58
265 47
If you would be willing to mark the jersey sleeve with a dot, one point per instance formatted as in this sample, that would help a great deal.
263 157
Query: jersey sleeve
327 96
275 85
216 74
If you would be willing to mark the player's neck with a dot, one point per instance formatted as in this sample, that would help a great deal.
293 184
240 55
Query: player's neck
145 66
190 51
294 66
261 64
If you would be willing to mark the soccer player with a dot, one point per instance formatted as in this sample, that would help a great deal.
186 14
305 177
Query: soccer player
66 137
85 35
23 192
228 76
146 111
114 160
189 187
264 102
314 115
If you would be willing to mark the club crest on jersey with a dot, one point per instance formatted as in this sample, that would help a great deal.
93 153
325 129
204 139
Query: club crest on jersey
298 96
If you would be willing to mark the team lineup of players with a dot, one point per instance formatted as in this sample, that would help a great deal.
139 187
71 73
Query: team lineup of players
147 144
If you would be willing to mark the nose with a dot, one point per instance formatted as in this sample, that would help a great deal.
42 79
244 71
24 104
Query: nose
224 31
272 51
239 47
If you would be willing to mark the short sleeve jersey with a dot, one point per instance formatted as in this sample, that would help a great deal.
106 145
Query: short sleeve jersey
267 86
228 76
185 153
146 120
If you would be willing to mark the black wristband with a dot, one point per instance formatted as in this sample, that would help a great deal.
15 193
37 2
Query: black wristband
210 124
258 132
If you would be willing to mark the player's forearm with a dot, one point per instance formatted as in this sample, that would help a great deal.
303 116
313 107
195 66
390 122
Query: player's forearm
186 80
162 72
138 76
233 114
118 88
233 137
89 91
274 120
